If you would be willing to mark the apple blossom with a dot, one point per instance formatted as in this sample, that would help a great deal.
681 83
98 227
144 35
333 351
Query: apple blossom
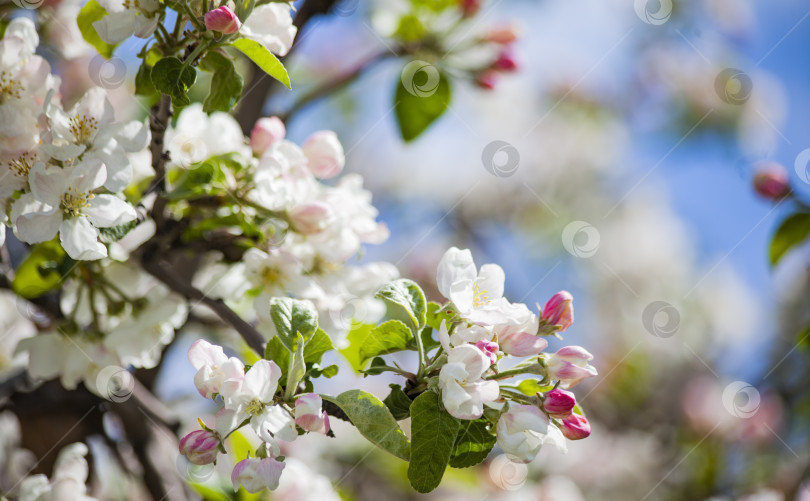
559 403
267 132
464 393
576 427
213 367
519 336
311 217
67 482
523 429
271 25
222 19
126 18
250 397
570 366
200 446
477 295
309 415
255 474
324 154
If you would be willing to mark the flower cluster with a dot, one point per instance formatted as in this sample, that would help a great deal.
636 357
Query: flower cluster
63 171
106 327
249 396
485 328
67 482
314 227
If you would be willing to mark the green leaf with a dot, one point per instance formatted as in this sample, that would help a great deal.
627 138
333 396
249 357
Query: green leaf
291 316
143 81
433 434
409 296
263 58
357 334
398 402
319 344
791 232
432 316
328 372
90 13
297 366
388 337
473 443
532 387
279 354
373 420
226 83
115 233
426 97
171 78
42 270
204 178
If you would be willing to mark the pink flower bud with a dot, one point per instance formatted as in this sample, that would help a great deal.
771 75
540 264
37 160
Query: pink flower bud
771 181
324 154
489 348
559 403
576 427
570 366
311 217
503 35
559 310
309 415
200 446
505 62
470 7
487 79
222 19
267 132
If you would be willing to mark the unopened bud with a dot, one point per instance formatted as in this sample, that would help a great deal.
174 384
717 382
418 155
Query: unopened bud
487 79
505 62
311 217
576 427
559 311
267 132
222 19
559 403
200 446
771 181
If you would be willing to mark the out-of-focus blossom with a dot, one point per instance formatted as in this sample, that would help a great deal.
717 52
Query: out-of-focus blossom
255 474
771 181
271 25
523 430
325 157
266 132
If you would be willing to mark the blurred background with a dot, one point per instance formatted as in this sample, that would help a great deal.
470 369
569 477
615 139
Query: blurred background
616 162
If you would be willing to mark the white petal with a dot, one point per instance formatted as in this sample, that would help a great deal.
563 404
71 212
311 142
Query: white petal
37 227
116 27
105 211
456 265
80 239
47 185
88 175
490 279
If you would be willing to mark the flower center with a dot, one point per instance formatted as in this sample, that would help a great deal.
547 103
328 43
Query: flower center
254 407
83 128
21 165
271 275
9 87
480 297
74 202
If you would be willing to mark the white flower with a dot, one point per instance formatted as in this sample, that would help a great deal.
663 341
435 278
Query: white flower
213 367
63 202
522 431
139 341
68 481
126 18
324 154
478 296
519 336
301 483
464 392
255 474
271 25
251 397
309 415
198 136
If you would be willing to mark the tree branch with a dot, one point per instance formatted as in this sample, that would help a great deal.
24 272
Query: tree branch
252 337
159 117
335 84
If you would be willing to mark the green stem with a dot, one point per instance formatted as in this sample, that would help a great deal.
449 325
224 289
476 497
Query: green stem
517 396
534 368
421 350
